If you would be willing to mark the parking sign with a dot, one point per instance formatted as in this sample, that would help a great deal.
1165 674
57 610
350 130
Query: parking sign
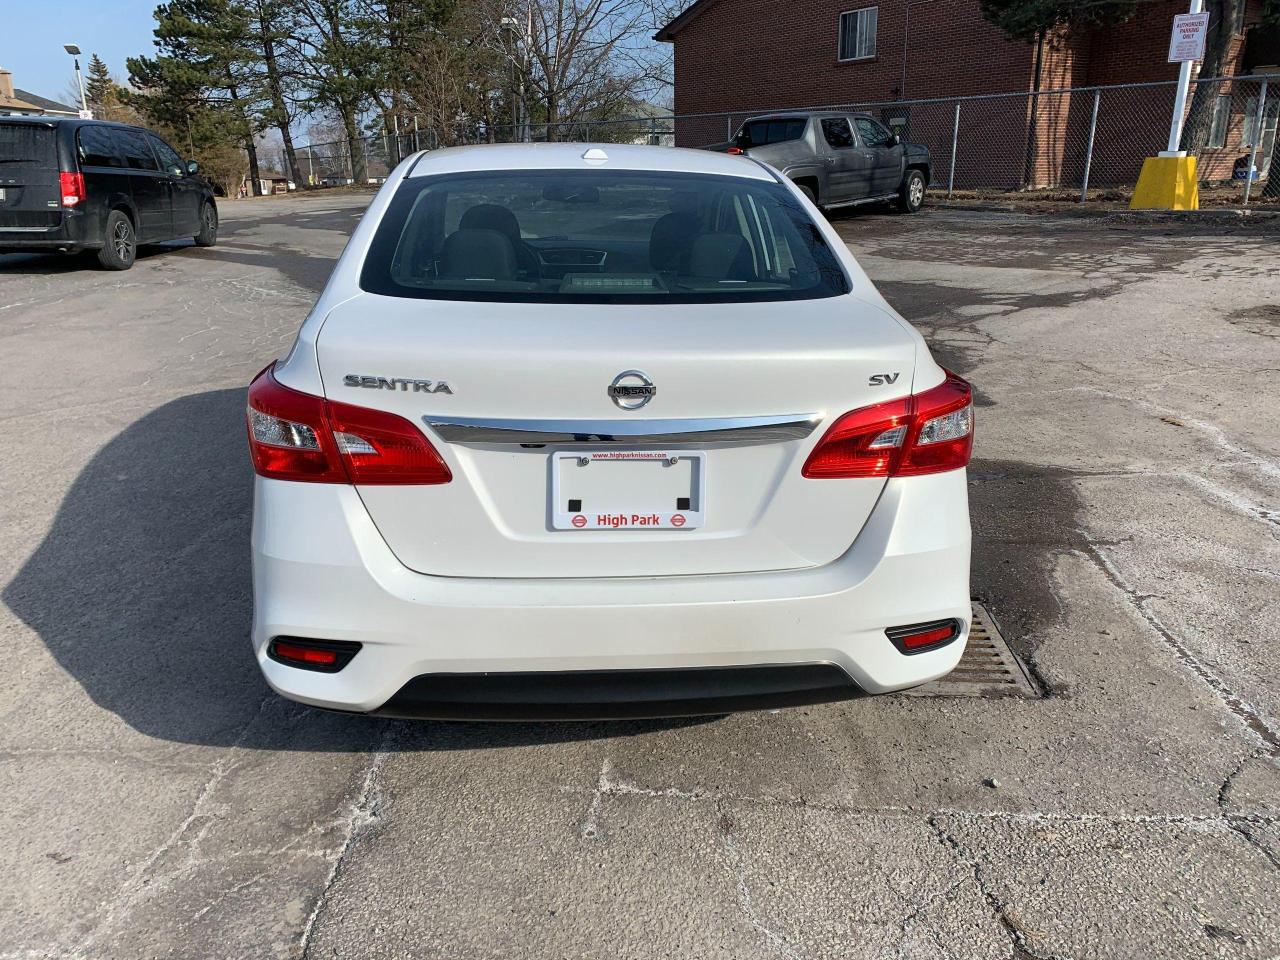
1187 42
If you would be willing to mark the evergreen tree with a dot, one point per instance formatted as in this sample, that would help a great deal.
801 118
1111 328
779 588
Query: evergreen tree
98 86
206 72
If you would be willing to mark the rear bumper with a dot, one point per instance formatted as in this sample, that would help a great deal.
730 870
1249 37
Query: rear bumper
68 236
321 570
614 694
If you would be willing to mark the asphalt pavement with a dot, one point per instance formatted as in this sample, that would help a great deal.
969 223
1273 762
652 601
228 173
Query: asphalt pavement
160 801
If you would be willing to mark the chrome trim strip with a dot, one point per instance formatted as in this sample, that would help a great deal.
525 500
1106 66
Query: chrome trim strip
794 426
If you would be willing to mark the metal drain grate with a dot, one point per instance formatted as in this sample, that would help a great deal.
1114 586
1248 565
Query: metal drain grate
987 669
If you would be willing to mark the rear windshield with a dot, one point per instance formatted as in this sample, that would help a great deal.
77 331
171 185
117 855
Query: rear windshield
598 236
758 133
27 144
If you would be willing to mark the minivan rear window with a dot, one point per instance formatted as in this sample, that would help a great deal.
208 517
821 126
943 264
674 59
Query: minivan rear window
27 144
598 236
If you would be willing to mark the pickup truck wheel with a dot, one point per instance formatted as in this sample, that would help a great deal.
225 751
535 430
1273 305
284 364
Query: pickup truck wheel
120 245
911 193
808 193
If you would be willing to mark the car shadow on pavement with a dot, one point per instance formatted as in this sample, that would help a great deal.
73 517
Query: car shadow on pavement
141 592
49 264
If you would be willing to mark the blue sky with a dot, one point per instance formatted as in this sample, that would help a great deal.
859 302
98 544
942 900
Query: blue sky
31 44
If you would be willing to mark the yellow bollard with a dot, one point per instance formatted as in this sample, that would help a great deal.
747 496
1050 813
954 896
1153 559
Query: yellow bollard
1167 183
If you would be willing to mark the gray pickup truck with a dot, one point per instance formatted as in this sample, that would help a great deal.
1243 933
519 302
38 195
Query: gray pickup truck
837 159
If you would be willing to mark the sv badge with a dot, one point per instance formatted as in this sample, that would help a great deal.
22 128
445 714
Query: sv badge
882 379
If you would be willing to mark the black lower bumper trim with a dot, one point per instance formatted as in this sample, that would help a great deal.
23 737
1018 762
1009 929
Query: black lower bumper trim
618 694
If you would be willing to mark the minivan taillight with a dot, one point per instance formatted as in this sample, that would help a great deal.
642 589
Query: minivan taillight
928 432
296 436
72 188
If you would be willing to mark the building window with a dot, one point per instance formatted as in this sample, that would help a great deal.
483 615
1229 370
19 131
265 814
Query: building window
1218 128
858 33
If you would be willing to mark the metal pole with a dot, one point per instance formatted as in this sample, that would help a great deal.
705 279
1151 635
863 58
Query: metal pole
1180 98
1088 155
84 104
728 126
311 166
955 136
416 147
1257 135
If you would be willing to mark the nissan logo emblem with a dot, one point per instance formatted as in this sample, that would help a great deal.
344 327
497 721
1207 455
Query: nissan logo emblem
631 389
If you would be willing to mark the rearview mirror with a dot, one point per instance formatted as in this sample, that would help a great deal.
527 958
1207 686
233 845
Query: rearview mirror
192 168
895 140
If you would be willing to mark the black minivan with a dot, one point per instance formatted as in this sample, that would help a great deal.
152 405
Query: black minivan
71 185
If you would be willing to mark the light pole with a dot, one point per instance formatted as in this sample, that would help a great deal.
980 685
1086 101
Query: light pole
511 27
72 49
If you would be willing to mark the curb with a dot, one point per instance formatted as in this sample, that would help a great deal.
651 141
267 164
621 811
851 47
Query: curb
1212 215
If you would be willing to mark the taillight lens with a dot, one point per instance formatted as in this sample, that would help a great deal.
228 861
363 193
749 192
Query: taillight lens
296 436
72 186
379 447
288 436
929 432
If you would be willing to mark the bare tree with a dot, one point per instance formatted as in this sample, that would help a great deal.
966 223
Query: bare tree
339 62
586 57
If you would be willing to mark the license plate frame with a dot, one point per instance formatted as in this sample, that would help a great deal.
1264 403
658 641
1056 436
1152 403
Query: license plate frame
616 516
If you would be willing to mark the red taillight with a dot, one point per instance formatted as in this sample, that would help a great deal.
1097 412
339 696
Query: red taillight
296 436
288 436
380 447
929 432
736 151
72 186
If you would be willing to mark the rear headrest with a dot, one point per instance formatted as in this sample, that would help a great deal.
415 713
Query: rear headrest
491 216
720 256
670 239
478 255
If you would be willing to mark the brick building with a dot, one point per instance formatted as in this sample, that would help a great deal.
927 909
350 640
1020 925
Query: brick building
736 57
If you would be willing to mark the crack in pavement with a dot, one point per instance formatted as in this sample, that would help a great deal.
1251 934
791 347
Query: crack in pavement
140 885
1241 823
1003 912
733 858
1248 715
611 786
363 814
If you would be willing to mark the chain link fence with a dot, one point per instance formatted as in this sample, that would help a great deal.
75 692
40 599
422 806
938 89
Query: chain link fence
1090 141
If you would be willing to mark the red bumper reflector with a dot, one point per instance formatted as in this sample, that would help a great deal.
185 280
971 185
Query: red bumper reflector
290 651
326 656
924 636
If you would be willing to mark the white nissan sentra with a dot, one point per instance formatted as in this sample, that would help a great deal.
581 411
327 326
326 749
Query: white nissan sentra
599 432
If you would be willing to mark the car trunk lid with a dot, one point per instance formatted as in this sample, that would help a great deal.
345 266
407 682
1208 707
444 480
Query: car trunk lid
773 375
